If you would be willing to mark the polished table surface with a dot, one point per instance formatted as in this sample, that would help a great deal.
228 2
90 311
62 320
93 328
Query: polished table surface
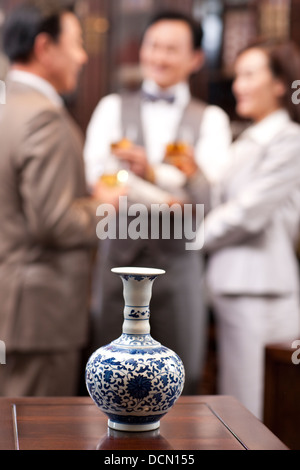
195 423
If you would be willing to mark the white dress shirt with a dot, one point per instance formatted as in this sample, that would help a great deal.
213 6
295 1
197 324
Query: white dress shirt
160 122
36 82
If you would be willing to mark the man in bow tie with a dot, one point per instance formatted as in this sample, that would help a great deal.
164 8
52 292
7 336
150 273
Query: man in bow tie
162 112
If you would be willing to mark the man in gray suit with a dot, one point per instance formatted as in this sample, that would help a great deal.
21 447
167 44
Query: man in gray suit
47 220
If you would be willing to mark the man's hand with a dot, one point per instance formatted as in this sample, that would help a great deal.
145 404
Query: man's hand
136 159
186 162
106 194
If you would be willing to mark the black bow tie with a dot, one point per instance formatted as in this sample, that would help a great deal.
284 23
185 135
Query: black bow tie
159 97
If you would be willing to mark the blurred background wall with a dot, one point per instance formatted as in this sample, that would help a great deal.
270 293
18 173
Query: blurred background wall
113 29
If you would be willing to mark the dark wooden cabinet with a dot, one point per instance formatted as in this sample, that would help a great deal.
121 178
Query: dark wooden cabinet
282 393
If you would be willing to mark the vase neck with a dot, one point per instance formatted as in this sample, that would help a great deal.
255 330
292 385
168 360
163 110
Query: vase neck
137 295
136 320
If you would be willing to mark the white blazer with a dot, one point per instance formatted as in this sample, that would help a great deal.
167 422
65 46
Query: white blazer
252 234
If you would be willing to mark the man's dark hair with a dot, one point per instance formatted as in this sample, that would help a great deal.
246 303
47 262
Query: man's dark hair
25 23
195 26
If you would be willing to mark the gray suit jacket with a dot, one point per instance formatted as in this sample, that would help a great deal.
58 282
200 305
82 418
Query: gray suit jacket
47 226
251 235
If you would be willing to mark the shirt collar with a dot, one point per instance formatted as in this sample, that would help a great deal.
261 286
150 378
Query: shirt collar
181 91
38 83
264 131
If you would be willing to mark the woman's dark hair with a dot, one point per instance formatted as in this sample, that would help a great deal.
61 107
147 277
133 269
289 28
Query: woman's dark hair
25 23
195 26
284 63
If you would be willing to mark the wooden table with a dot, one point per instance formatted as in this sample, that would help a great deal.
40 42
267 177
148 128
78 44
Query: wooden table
195 423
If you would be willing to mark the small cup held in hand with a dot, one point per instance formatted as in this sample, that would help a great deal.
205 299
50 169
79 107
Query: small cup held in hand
175 152
115 174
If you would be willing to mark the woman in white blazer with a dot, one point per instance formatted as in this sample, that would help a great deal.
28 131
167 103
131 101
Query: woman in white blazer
252 232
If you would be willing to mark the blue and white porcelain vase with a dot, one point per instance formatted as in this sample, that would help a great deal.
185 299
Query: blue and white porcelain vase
135 380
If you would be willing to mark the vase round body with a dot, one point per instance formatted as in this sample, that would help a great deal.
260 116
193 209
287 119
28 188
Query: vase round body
135 380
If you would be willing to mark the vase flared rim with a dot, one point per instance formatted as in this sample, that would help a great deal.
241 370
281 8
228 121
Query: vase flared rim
131 271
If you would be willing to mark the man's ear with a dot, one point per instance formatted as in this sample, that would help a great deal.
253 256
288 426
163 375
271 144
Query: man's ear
280 88
42 47
198 61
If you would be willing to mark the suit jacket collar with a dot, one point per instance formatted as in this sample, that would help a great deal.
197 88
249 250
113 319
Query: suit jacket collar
265 131
37 83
